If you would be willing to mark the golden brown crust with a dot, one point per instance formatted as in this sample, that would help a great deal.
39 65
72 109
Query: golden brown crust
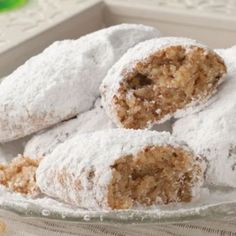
155 175
19 175
166 82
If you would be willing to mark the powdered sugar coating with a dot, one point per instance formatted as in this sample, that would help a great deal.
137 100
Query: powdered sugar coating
229 56
212 132
63 80
127 64
74 160
45 142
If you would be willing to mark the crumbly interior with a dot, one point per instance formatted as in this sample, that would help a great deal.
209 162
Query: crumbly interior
155 175
165 82
19 175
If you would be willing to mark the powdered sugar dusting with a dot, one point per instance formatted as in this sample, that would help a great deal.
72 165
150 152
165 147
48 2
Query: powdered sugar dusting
211 132
45 142
229 56
63 80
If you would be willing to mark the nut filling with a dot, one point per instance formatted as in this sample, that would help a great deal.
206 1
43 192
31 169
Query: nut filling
165 82
19 175
155 175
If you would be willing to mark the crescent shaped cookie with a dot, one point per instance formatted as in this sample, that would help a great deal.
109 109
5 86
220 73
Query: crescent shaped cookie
63 80
119 169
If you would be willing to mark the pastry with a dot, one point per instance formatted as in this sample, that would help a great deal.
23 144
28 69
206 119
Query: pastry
160 78
44 143
119 169
211 133
63 80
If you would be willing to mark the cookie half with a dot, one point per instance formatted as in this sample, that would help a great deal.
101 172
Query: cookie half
120 169
161 78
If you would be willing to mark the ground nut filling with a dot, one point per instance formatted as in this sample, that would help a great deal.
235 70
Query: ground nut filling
19 175
166 82
155 175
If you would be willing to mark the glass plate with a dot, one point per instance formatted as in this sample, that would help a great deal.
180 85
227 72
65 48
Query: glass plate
214 203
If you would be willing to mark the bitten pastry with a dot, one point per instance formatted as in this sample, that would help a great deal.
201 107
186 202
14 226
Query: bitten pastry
44 143
212 132
119 169
160 78
63 80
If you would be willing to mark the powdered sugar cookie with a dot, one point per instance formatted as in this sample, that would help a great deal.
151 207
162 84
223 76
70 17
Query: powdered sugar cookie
45 142
160 78
63 80
211 132
118 169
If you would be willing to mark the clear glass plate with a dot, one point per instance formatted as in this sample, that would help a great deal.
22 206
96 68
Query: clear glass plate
216 203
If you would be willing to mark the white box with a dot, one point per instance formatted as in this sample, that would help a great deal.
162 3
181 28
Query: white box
28 31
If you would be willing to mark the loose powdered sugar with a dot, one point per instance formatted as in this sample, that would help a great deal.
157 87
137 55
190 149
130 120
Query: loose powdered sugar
212 131
63 80
209 205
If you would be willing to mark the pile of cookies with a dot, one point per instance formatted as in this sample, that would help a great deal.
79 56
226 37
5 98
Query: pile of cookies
91 105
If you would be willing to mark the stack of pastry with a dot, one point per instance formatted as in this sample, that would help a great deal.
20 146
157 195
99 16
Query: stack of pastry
90 147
